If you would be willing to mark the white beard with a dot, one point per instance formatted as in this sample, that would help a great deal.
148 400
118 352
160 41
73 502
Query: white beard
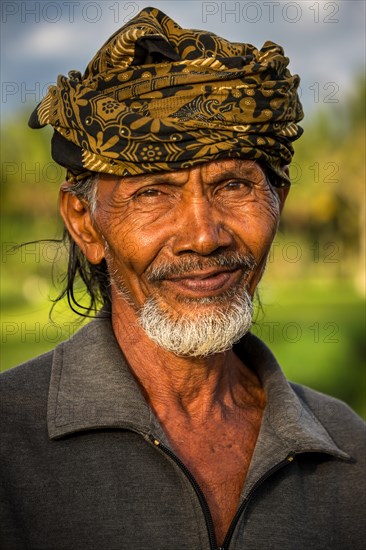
198 333
201 333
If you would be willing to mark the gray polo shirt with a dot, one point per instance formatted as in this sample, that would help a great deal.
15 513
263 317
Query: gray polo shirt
85 464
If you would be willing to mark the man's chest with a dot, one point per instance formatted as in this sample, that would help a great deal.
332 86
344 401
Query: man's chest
218 456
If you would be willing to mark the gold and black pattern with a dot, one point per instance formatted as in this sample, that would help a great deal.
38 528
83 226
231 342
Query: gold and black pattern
157 97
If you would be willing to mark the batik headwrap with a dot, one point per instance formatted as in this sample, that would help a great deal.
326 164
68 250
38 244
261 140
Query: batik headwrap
157 97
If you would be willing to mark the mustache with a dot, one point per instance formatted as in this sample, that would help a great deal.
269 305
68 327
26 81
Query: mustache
186 265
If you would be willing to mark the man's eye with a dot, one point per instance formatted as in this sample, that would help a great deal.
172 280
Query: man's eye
148 193
238 186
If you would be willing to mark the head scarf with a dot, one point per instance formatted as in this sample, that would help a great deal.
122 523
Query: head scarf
157 97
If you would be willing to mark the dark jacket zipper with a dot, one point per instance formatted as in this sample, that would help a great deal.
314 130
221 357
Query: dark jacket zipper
203 501
245 502
197 488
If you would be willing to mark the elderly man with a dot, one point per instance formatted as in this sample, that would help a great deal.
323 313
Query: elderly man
164 423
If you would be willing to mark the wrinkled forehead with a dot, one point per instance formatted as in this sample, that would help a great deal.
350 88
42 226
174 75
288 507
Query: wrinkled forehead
208 172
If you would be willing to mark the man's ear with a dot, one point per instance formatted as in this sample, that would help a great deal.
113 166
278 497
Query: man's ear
76 215
282 193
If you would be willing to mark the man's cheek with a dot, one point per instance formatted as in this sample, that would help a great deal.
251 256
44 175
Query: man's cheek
269 210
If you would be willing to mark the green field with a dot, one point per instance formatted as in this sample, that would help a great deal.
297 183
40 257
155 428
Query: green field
317 332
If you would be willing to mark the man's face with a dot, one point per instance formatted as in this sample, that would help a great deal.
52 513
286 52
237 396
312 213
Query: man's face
190 241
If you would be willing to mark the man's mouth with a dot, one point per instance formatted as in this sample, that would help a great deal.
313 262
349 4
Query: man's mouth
205 282
200 277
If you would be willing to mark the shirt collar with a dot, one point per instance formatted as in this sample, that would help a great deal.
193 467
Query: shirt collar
92 387
288 426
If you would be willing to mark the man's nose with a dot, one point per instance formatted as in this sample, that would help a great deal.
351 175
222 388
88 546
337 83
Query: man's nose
200 228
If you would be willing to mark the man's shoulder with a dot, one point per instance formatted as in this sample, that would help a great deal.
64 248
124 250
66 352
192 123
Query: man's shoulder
325 406
35 373
24 394
29 373
26 385
41 365
345 427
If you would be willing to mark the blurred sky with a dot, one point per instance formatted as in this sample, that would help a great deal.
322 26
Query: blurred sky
325 40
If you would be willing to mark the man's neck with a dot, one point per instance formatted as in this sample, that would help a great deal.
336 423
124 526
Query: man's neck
191 386
209 408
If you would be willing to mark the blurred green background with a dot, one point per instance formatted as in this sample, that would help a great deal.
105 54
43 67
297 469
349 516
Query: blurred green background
312 295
